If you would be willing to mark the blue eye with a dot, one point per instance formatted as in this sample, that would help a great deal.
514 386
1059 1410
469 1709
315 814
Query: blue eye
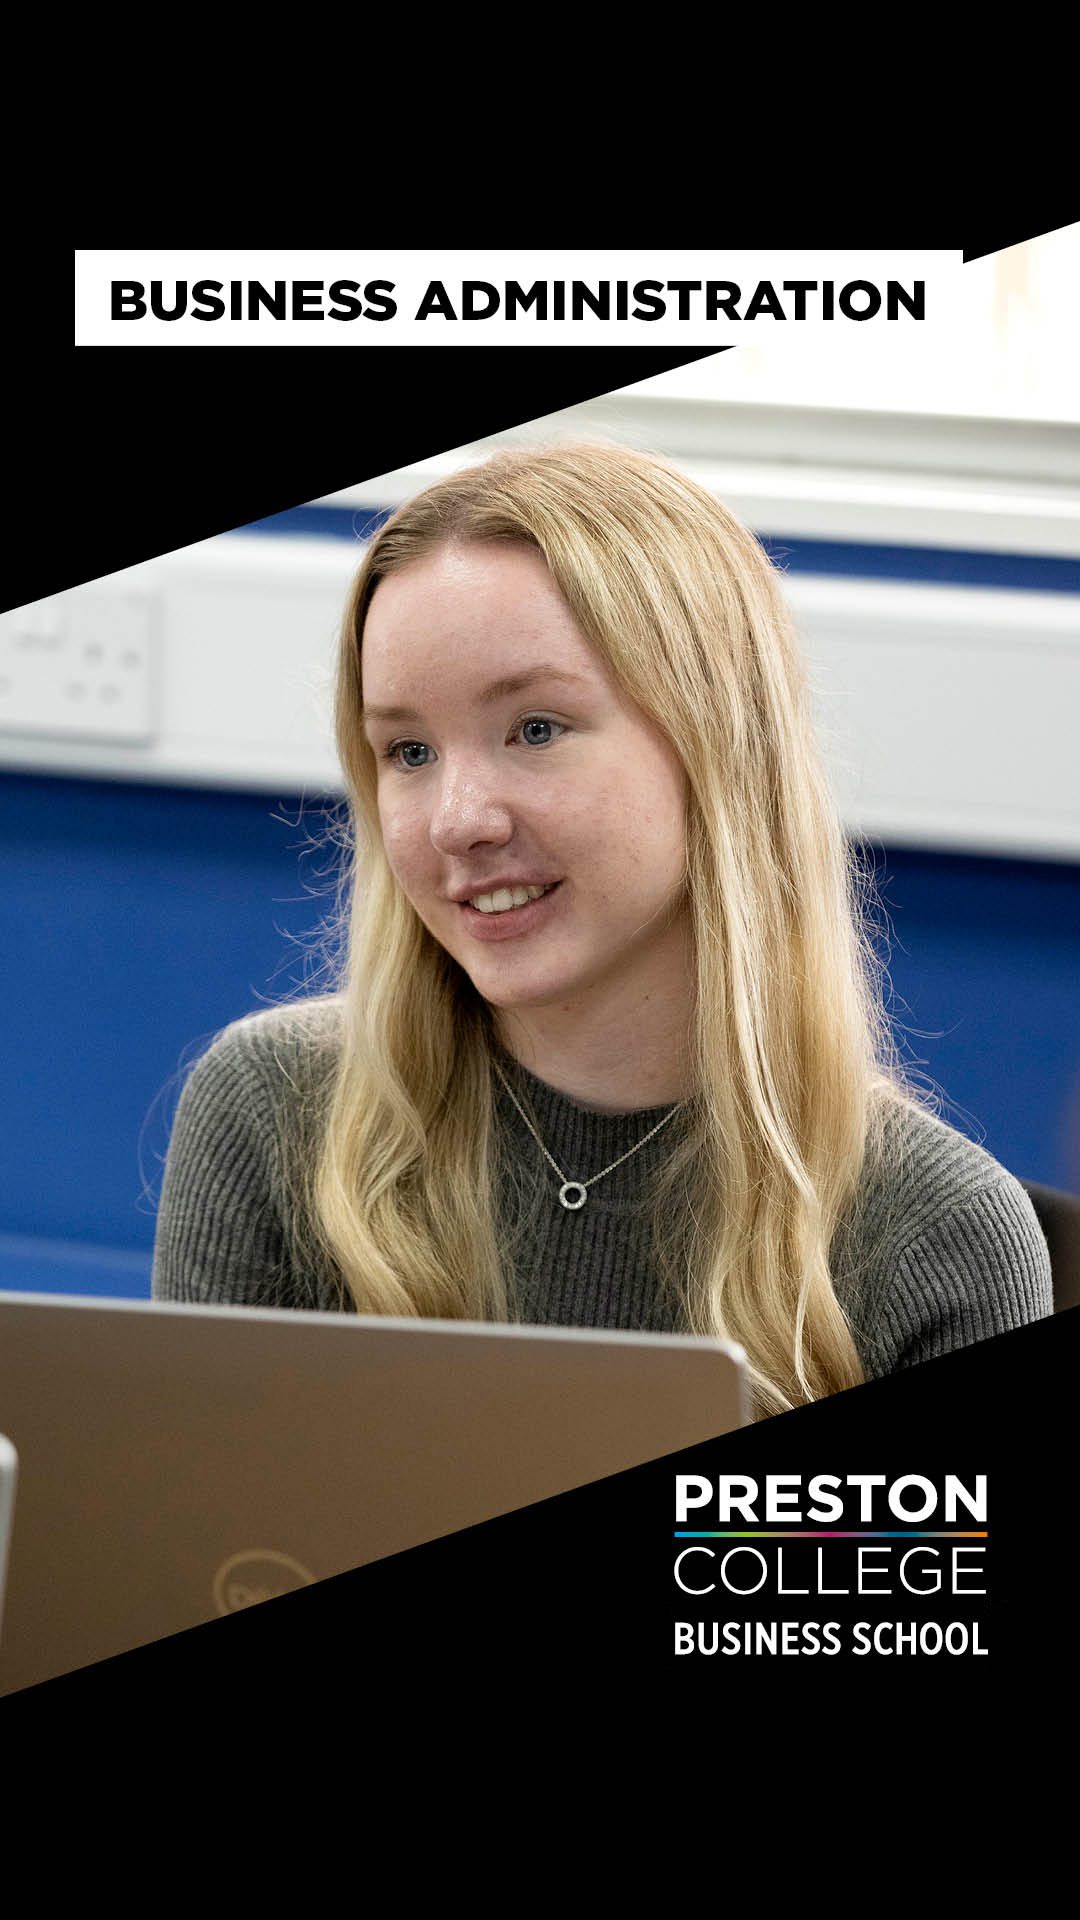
537 720
406 746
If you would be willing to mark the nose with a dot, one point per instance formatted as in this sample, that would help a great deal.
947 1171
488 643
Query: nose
468 811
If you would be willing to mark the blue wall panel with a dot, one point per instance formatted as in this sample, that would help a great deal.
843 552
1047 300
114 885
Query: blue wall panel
985 971
137 922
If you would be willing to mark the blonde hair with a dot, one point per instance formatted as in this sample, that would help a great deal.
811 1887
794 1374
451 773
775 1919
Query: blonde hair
789 1037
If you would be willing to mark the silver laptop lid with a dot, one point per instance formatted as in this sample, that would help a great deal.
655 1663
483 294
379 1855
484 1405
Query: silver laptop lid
179 1462
9 1465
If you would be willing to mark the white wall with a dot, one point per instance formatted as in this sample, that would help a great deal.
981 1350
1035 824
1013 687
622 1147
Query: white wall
950 715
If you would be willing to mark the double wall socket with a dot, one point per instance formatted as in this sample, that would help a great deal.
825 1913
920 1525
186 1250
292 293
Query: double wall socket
81 665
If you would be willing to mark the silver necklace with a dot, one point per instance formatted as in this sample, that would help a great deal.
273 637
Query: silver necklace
574 1193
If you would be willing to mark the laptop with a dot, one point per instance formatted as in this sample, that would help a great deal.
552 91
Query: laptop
179 1462
9 1465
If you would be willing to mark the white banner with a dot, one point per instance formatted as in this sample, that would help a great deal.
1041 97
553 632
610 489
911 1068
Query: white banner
370 296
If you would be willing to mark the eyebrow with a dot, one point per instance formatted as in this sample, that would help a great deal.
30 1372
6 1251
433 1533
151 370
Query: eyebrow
498 690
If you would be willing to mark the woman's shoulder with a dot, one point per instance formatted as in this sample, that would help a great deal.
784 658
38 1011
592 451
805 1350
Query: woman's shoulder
289 1050
941 1246
918 1168
228 1227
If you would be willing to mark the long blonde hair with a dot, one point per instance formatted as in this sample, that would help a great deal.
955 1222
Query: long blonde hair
789 1041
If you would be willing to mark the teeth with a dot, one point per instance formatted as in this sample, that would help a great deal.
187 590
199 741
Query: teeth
507 897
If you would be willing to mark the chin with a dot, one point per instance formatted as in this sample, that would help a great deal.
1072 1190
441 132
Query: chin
507 980
529 990
508 994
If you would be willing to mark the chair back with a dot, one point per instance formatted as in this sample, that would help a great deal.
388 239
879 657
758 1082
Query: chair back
1058 1215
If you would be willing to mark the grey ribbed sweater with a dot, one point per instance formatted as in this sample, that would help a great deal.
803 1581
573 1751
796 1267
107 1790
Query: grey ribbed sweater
942 1250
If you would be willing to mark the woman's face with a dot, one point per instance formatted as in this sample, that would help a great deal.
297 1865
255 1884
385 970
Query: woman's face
508 759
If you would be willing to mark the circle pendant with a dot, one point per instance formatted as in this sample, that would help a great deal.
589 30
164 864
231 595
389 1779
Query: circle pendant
573 1195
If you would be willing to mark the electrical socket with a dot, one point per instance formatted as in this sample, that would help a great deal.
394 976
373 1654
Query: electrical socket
81 665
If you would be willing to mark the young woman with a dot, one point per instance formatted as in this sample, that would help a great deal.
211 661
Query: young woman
608 1049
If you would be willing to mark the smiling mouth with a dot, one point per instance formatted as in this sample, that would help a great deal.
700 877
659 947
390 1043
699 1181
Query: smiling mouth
507 899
